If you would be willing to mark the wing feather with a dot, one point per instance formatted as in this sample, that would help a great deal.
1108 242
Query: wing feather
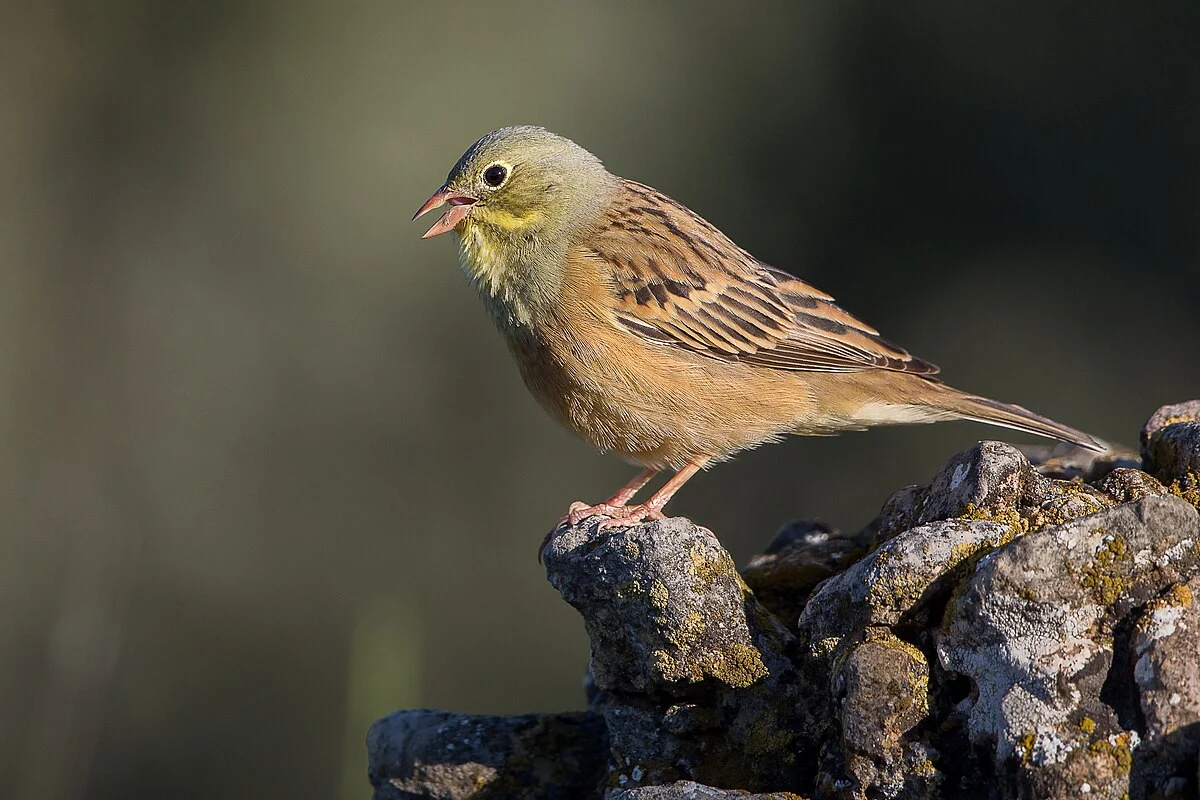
678 281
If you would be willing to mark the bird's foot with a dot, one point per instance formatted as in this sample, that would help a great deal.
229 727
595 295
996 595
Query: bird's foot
616 517
579 511
631 515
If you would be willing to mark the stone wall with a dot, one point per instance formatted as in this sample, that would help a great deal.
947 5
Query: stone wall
1008 631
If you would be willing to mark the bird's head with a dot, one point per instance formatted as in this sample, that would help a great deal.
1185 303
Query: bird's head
519 187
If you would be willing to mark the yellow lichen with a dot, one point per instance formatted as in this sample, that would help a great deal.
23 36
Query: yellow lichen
824 647
971 552
658 594
1118 748
664 663
885 637
1055 511
1187 487
1025 748
1006 516
707 571
1180 595
902 586
1087 725
689 630
1105 575
1177 595
739 666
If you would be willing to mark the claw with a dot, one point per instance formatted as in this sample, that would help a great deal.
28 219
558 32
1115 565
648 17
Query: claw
578 512
618 514
631 515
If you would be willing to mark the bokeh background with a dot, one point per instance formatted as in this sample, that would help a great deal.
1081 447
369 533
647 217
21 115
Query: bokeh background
266 472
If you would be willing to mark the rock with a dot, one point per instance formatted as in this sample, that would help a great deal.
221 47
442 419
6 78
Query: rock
444 756
691 670
1010 630
892 582
1035 629
688 790
1068 462
801 555
990 481
1166 646
991 476
1126 485
882 688
663 605
1170 443
846 643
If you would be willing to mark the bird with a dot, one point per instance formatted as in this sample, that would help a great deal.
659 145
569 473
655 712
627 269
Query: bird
645 330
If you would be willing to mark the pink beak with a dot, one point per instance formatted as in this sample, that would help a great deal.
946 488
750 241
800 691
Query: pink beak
460 206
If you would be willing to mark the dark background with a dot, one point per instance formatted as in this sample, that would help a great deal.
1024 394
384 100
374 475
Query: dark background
267 472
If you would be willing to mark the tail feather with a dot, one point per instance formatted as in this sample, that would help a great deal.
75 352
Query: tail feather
1006 415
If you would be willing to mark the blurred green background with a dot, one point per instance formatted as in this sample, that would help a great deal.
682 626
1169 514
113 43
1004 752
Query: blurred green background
267 471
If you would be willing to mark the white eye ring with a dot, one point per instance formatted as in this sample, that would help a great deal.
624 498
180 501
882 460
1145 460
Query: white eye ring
495 175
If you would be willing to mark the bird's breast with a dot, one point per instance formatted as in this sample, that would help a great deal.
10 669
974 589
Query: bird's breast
652 405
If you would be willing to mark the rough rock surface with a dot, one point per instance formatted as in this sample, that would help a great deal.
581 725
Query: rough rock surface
690 790
692 674
1014 629
1171 448
437 754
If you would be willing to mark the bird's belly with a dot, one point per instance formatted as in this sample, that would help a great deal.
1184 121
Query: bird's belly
657 406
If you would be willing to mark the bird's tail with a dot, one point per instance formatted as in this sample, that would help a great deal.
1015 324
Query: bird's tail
1006 415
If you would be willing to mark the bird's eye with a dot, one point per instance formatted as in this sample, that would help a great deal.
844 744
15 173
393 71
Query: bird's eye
495 175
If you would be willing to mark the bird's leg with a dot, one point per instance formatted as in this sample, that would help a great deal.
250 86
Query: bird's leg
633 487
613 505
652 508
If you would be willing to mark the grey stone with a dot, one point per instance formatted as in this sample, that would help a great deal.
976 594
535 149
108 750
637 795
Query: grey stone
1068 462
990 475
990 481
1033 629
663 605
1166 670
882 692
802 555
1126 485
1170 443
1011 630
693 674
689 790
892 581
444 756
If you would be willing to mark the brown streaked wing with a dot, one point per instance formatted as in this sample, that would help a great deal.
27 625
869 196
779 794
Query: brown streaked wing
679 281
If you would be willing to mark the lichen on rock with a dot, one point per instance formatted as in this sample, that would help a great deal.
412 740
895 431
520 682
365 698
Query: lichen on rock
1036 632
690 668
1170 442
1013 629
663 604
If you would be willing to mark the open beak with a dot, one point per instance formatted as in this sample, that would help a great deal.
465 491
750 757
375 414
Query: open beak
460 205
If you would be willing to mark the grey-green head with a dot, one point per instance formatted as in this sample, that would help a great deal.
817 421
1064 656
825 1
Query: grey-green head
521 182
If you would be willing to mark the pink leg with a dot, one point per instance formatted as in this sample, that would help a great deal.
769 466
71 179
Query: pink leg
613 505
652 508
